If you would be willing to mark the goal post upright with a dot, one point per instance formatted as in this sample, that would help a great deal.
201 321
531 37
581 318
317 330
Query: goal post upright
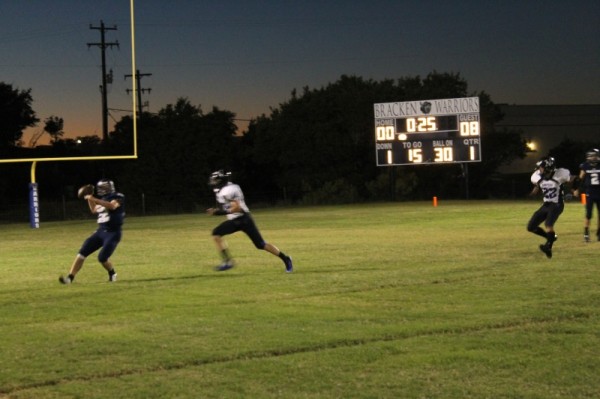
34 219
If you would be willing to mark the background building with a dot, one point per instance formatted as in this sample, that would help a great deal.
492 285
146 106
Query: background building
546 126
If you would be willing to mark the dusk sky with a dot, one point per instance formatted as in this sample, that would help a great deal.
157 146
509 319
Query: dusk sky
246 56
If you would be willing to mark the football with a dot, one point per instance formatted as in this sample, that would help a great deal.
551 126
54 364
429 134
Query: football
85 190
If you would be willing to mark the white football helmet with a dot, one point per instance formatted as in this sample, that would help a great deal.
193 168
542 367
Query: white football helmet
593 156
105 187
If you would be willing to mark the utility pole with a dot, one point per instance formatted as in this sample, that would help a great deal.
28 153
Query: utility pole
138 88
103 45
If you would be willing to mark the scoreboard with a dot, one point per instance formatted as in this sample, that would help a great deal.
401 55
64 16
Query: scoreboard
428 132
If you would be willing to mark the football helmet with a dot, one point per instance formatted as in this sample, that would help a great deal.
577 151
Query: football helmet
218 179
593 156
105 187
548 164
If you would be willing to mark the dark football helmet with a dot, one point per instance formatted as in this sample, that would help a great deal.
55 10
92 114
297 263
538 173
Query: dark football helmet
593 156
548 164
105 187
218 179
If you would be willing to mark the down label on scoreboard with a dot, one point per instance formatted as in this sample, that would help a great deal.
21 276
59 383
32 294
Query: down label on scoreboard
428 132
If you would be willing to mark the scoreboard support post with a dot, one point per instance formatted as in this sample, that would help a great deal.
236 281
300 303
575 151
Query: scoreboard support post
392 179
465 172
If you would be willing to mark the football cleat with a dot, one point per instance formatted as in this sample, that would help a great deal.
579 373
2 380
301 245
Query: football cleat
289 266
546 249
64 280
112 277
224 266
586 238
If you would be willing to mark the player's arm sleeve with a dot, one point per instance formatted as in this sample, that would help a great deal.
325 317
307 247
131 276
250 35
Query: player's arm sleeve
566 176
583 182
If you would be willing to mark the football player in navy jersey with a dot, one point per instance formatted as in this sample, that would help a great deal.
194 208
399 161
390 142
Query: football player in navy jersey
589 176
230 202
550 181
109 207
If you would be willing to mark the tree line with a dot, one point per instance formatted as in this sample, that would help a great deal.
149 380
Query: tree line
316 148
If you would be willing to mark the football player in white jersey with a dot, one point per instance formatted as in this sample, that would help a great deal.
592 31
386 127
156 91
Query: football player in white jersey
549 180
230 202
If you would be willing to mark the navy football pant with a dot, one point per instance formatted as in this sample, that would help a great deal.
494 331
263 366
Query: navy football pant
107 240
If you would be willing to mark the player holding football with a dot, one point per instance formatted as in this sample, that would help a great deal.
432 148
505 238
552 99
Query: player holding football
110 208
230 202
589 175
549 180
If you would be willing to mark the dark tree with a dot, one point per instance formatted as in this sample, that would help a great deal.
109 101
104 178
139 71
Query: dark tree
319 146
570 154
177 150
54 125
16 115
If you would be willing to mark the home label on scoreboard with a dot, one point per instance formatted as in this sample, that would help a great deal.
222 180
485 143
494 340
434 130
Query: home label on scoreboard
428 132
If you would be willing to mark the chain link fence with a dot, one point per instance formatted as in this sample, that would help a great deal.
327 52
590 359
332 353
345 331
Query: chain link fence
70 209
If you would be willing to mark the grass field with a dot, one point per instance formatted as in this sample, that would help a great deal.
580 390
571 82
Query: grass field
398 300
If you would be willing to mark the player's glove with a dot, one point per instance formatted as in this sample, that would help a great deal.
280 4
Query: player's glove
88 189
